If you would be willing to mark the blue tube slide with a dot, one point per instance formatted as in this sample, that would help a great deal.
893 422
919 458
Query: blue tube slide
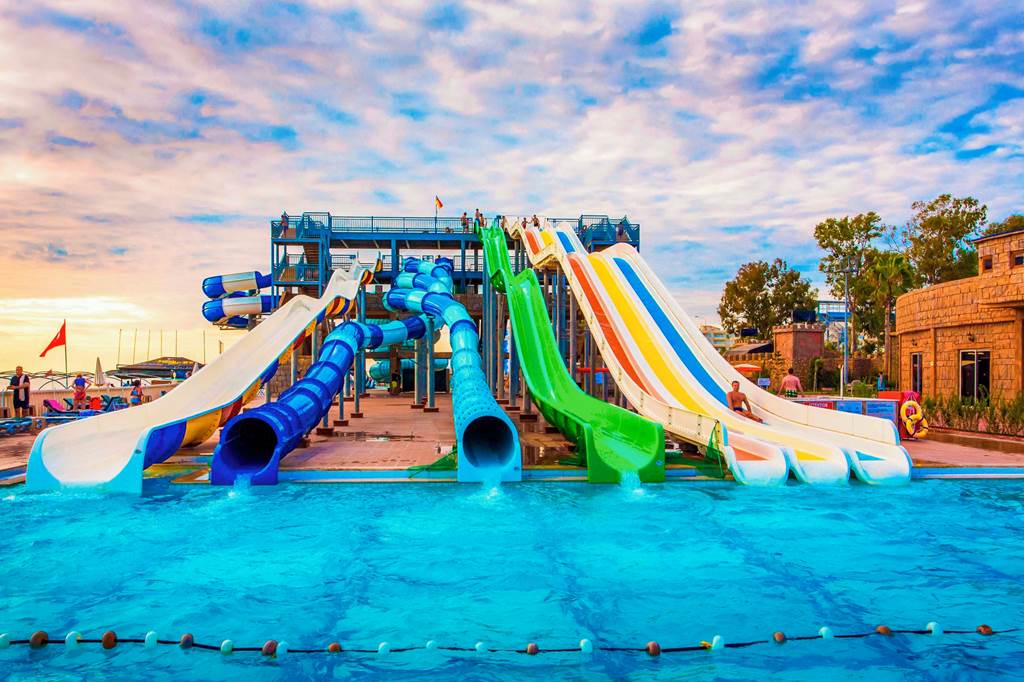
234 296
381 370
233 306
488 443
219 285
253 443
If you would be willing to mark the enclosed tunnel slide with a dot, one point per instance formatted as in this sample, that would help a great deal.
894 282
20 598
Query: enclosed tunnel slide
381 370
612 440
253 444
233 296
110 451
671 375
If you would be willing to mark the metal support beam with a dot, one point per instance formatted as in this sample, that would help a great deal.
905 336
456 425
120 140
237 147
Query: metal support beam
513 369
572 336
430 364
361 354
499 340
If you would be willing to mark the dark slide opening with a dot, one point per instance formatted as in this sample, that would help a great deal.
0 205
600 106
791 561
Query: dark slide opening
248 446
488 442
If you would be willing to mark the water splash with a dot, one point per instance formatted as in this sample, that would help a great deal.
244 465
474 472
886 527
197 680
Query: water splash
242 486
629 481
490 488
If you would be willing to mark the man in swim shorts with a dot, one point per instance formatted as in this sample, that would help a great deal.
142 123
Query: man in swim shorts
738 402
791 386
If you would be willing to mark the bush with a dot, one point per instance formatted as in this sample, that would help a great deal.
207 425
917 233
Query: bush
993 415
859 389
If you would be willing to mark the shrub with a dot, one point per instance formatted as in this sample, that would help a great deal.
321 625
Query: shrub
994 415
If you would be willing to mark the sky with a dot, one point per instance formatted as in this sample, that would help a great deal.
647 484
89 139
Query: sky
144 146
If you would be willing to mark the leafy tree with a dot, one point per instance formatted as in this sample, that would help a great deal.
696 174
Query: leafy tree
763 295
890 275
937 238
1012 223
847 243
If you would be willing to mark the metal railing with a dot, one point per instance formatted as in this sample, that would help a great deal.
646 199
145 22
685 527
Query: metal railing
292 273
427 224
459 264
306 226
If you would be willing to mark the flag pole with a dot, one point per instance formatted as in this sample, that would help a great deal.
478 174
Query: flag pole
66 384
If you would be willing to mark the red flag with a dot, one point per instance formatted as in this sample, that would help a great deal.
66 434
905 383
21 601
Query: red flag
437 202
58 340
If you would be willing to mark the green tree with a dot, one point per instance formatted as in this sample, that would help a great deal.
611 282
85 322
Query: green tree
1011 224
847 243
890 276
937 239
763 295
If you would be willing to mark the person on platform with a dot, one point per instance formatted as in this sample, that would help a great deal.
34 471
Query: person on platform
791 386
738 402
20 384
465 222
135 397
79 385
536 221
284 220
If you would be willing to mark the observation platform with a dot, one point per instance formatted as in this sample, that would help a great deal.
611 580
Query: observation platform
308 248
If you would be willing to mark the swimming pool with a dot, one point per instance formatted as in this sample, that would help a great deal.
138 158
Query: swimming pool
547 563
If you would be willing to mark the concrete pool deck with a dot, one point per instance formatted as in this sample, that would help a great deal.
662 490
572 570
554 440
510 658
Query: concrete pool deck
393 436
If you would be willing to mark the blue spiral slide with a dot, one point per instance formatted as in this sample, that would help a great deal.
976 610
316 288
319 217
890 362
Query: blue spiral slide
234 296
252 444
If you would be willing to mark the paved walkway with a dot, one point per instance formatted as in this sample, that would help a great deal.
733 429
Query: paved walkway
392 435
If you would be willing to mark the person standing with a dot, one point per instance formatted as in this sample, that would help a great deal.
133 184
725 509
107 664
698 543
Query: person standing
284 220
135 397
536 221
80 384
22 388
791 386
880 385
465 222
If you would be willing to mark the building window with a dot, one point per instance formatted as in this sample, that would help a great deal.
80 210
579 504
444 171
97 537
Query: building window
974 374
1017 258
916 373
986 263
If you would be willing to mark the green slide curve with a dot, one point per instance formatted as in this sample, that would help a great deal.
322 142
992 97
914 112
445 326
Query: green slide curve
610 439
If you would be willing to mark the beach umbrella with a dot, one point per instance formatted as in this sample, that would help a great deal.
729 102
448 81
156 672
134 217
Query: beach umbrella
747 368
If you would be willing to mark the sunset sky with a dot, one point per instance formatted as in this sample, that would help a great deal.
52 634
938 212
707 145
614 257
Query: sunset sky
146 145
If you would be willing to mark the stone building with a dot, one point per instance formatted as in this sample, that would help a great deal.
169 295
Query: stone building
966 337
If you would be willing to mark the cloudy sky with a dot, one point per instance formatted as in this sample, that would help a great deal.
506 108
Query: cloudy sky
146 145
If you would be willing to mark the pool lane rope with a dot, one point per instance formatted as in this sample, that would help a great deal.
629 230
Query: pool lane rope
278 649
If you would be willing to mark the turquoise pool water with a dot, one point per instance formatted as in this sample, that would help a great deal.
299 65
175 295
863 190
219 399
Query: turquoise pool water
549 563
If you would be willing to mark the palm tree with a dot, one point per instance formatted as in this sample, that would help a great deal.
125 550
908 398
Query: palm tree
891 275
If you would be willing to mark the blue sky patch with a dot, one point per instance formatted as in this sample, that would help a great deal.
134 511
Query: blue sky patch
66 141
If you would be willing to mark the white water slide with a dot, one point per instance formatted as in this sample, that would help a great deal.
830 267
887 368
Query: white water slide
110 451
670 372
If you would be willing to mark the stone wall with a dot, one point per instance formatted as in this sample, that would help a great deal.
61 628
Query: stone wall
798 345
977 313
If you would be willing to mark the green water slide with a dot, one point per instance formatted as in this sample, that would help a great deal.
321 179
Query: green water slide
611 440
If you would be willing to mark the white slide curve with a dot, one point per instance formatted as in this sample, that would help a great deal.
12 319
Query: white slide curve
680 369
110 451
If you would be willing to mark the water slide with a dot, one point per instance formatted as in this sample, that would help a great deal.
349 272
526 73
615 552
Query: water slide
110 451
678 368
381 370
233 296
253 444
612 440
